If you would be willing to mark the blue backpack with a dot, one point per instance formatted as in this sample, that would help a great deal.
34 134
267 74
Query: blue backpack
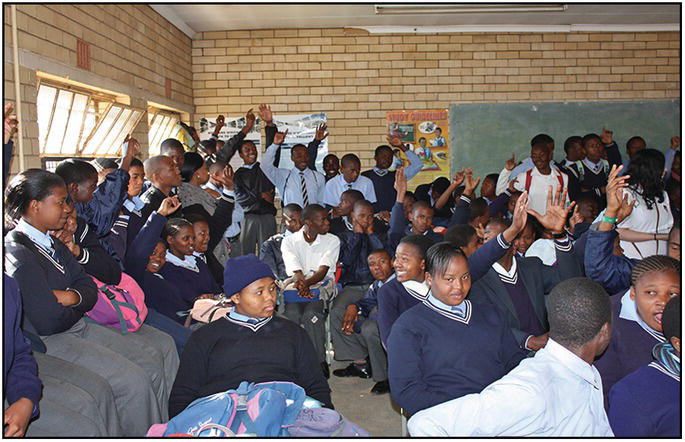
262 410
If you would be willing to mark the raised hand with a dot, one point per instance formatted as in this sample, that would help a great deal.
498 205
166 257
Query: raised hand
220 122
520 215
480 231
169 205
470 183
458 178
225 177
576 218
510 164
512 185
675 143
614 191
321 133
607 137
554 219
266 114
11 122
249 121
394 141
279 137
400 183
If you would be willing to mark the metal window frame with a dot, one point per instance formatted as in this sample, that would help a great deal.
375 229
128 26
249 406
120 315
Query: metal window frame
73 90
101 119
161 113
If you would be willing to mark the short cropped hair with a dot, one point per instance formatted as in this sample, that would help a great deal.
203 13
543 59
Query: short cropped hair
349 158
439 257
421 204
577 308
362 203
589 137
311 211
77 171
353 194
381 148
479 207
291 208
170 143
420 242
574 139
541 138
459 235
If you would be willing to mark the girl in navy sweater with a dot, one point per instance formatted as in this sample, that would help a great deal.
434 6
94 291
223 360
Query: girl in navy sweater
447 346
184 270
637 318
56 293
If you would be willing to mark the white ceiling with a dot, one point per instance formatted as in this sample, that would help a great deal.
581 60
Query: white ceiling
221 17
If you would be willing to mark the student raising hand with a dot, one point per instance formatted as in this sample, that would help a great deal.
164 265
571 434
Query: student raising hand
321 133
400 184
11 122
279 137
554 219
265 114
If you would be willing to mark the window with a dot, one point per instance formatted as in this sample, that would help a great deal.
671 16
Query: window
163 125
73 121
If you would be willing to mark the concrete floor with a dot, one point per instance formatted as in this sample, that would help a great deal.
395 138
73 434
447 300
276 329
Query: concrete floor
353 399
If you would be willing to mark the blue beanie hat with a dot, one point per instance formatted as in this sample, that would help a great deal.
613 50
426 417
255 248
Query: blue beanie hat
243 271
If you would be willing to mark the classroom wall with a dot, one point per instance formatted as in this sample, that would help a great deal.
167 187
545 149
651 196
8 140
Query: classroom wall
355 77
133 51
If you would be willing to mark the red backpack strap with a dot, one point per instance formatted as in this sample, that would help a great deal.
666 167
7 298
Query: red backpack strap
561 180
529 179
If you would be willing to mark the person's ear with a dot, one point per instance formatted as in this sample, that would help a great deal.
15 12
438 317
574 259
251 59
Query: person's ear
72 188
235 298
633 294
423 265
675 342
429 279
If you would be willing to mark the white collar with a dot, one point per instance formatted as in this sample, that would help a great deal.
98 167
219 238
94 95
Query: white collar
242 320
511 274
209 185
251 165
629 312
42 239
572 362
190 262
134 204
594 166
460 313
418 290
380 172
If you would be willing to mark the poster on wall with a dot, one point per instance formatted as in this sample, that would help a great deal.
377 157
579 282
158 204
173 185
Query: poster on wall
232 126
426 132
301 130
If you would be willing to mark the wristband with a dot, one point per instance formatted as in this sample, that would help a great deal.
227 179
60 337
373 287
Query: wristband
606 219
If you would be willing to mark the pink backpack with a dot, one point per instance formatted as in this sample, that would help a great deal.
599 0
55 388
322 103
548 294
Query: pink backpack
120 306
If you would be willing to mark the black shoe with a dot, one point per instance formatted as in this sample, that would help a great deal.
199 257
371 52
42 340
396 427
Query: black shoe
326 370
381 387
352 370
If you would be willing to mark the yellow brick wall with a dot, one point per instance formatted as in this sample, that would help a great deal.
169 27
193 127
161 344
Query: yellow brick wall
355 77
131 45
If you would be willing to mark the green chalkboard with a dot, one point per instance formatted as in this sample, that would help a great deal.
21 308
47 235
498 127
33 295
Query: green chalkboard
483 136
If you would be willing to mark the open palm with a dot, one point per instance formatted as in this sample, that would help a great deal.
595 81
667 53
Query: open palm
555 217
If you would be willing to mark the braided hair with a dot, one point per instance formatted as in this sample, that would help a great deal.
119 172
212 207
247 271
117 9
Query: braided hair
173 226
654 263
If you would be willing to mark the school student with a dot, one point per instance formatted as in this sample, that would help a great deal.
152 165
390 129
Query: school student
255 193
195 174
409 289
129 218
528 164
331 166
301 185
270 251
517 287
165 177
355 335
557 393
310 256
340 215
248 344
447 346
383 179
536 180
349 178
592 172
182 268
638 318
56 293
464 237
645 231
646 403
487 189
231 245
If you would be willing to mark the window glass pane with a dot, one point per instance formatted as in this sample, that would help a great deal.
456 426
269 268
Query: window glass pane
72 136
44 103
125 125
108 120
107 144
59 125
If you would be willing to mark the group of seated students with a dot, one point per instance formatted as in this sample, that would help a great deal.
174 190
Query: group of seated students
547 306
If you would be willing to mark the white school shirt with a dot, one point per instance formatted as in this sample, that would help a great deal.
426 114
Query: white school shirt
288 181
525 166
539 186
554 394
642 219
298 254
337 185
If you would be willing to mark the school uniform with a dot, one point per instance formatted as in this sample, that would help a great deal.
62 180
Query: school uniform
259 223
301 187
553 394
299 254
270 253
230 245
399 228
93 257
498 207
236 348
519 293
366 339
658 219
384 181
133 369
152 198
537 185
646 403
126 227
103 209
438 352
590 176
602 266
632 341
343 224
190 275
337 185
395 297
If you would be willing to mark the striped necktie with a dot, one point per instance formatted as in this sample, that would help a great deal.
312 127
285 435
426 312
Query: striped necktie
303 184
